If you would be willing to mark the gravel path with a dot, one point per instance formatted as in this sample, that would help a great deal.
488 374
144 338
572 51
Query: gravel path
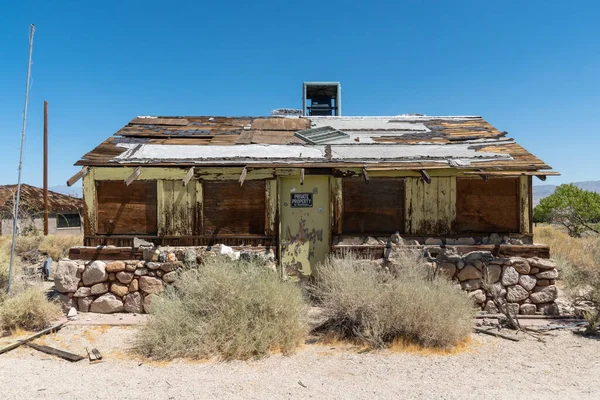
566 367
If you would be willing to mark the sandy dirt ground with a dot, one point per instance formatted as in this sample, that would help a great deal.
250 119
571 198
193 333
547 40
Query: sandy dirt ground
566 367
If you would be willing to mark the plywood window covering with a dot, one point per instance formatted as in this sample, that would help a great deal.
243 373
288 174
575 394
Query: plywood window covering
125 209
376 207
487 206
233 209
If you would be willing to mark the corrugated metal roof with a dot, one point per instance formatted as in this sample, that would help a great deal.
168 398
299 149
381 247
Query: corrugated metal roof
445 142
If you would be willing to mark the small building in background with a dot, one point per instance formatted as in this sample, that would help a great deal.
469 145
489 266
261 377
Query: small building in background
65 212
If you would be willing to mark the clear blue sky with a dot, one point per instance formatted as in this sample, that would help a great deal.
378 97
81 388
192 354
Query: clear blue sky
531 68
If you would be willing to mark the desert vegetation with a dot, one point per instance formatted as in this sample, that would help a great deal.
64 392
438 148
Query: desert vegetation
224 309
405 301
579 262
27 309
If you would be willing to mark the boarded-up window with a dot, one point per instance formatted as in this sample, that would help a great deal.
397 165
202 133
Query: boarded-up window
376 207
126 209
487 206
233 209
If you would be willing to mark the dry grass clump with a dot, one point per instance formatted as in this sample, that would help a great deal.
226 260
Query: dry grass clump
579 263
379 307
57 246
580 252
227 309
28 309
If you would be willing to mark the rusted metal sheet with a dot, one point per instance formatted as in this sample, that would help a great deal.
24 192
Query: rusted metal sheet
488 206
32 201
125 209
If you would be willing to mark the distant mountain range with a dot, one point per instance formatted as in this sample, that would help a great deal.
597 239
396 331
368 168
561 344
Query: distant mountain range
541 191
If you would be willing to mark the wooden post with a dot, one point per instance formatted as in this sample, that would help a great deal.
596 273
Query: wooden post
77 176
45 168
301 176
365 174
425 176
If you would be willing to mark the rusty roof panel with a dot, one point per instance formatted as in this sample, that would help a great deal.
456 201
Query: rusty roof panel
396 133
32 201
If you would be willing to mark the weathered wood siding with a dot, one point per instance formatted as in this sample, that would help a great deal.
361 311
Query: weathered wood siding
374 207
492 205
179 208
430 208
125 209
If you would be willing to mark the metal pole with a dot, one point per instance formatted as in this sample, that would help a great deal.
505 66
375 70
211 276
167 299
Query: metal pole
16 216
45 168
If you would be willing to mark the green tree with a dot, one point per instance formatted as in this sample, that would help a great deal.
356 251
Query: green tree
576 209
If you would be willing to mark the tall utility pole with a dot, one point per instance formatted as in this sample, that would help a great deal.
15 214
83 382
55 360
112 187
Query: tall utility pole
45 168
18 198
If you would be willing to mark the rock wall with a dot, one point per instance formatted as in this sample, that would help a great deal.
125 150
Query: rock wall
526 284
131 285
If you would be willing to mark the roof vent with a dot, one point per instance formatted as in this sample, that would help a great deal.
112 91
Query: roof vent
322 98
321 135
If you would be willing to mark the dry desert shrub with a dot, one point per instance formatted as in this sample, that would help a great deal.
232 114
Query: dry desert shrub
57 246
379 306
28 309
225 309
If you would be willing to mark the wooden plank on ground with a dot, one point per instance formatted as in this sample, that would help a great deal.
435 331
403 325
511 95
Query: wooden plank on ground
56 352
32 337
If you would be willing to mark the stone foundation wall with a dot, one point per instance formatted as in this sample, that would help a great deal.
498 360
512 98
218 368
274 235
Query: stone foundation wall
131 285
526 284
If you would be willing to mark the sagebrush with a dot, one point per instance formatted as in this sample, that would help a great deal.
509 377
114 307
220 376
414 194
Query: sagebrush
378 306
225 309
28 309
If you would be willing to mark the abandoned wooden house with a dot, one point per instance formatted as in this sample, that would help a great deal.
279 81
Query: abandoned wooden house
305 184
64 211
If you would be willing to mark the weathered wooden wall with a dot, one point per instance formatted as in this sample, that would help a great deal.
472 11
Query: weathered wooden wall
425 209
430 207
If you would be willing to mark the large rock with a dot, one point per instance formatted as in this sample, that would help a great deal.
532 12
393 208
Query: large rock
107 304
478 296
134 303
510 276
95 272
521 265
527 309
478 255
169 277
490 307
512 308
83 292
115 266
119 289
497 290
65 302
141 271
471 284
134 286
544 295
99 288
84 303
125 277
541 263
527 281
469 272
548 274
492 273
170 266
548 309
447 269
516 293
65 276
148 300
151 285
153 266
